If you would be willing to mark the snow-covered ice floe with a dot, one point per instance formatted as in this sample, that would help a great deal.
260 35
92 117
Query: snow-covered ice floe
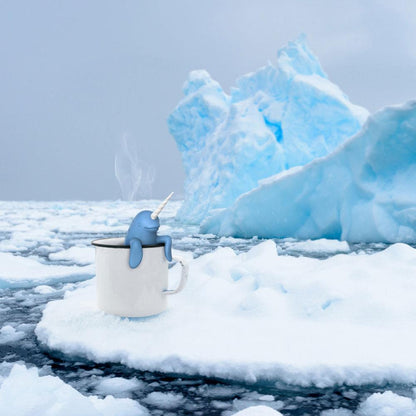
260 316
362 192
258 411
18 271
25 393
278 117
380 404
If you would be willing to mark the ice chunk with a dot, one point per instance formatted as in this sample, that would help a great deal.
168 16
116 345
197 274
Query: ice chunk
164 401
322 245
362 192
76 254
118 386
44 289
258 411
9 335
246 317
380 404
25 393
17 271
387 404
276 118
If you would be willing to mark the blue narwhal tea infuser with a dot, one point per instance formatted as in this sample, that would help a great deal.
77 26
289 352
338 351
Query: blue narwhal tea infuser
143 231
132 271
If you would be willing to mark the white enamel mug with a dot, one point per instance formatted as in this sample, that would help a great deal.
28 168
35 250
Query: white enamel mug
129 292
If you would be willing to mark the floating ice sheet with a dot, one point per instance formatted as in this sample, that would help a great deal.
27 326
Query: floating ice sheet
18 271
76 254
24 392
258 411
260 316
380 404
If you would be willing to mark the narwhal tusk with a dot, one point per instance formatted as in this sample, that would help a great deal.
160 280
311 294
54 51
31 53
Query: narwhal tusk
156 212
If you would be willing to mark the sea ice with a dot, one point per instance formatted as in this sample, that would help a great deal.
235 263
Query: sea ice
118 386
275 118
380 404
18 271
166 401
364 191
321 246
261 316
76 254
8 335
25 393
44 227
258 411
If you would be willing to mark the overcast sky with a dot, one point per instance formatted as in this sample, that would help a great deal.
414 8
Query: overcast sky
78 76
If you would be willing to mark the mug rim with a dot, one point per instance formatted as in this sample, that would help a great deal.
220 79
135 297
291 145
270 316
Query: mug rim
99 243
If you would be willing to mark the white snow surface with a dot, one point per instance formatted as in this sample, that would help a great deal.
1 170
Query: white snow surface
117 386
258 411
364 191
18 271
277 117
380 404
321 245
260 316
166 401
77 254
8 335
25 393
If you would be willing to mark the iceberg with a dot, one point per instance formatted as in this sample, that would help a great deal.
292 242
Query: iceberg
246 317
364 191
278 117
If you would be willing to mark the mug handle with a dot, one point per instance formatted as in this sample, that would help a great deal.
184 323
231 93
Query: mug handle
184 276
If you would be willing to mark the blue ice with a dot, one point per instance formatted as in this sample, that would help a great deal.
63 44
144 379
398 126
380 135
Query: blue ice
278 117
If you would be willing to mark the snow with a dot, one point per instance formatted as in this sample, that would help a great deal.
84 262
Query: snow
25 393
45 243
117 386
278 117
380 404
361 192
248 316
166 401
35 224
76 254
17 271
8 335
258 411
322 245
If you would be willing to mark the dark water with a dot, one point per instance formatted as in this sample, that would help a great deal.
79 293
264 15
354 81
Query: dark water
22 309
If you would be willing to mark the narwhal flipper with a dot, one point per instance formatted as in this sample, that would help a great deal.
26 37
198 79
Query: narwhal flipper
168 245
136 253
